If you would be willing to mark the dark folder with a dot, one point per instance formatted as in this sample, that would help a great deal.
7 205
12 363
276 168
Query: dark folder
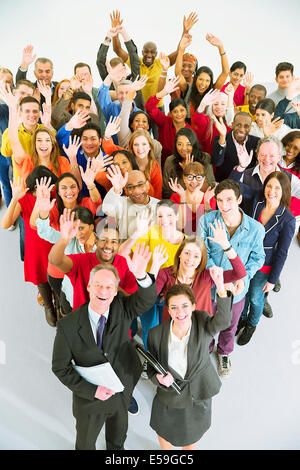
156 365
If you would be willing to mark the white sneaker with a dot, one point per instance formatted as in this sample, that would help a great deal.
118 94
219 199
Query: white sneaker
224 365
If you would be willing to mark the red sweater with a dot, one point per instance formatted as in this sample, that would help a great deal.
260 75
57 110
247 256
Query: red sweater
205 131
166 128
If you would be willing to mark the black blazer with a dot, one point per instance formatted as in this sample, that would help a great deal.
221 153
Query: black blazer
201 380
75 341
225 158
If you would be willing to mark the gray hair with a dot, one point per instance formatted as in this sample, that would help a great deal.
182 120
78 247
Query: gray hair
271 140
124 82
43 60
108 267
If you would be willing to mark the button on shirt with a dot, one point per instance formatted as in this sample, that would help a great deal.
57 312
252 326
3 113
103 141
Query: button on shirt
177 350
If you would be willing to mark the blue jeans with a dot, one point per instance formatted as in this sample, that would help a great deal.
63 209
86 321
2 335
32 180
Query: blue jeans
4 178
254 301
151 319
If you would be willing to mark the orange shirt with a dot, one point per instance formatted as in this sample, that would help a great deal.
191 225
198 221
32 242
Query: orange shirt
26 167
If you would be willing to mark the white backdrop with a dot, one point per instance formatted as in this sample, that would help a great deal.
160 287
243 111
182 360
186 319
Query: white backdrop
259 32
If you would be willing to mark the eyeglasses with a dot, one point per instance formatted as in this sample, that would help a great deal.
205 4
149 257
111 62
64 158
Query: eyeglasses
198 178
138 186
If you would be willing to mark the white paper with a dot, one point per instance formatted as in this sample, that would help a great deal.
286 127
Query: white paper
102 374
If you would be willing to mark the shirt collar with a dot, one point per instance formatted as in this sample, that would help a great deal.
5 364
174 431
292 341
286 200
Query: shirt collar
256 172
174 337
238 146
94 316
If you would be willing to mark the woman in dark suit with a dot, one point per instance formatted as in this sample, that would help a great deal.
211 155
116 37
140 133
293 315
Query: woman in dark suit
273 213
181 345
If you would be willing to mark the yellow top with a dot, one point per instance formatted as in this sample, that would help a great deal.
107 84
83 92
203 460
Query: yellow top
154 238
245 109
153 73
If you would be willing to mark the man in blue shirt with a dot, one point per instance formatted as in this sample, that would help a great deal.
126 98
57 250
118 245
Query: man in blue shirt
246 236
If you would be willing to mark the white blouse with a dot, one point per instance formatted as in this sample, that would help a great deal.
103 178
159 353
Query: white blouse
177 350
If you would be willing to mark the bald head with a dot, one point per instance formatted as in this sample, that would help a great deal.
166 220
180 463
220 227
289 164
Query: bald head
149 53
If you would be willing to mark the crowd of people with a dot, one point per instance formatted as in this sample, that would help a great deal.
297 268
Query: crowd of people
182 217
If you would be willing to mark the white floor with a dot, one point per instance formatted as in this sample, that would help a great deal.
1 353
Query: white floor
258 406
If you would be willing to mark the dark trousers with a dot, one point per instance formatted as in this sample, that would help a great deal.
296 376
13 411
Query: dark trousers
115 417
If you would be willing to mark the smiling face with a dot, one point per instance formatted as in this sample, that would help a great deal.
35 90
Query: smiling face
190 257
193 181
180 309
166 218
68 190
84 232
263 117
30 114
292 148
102 290
187 70
178 114
203 82
90 143
241 127
122 91
137 188
228 204
268 157
44 72
43 144
63 88
122 162
108 245
141 147
237 76
149 53
183 146
140 121
273 192
220 104
255 96
284 79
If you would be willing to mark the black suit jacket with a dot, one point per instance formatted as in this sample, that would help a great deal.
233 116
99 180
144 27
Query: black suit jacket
75 341
22 76
225 158
201 380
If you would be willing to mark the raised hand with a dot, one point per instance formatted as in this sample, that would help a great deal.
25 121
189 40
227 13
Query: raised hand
143 223
116 73
171 85
139 83
115 18
87 85
216 273
45 90
139 261
17 188
45 115
68 228
189 22
27 57
112 127
209 193
177 188
248 80
75 82
213 40
164 60
244 157
7 96
220 125
185 41
219 234
208 99
296 106
72 150
116 178
43 195
229 90
159 257
101 162
88 176
78 120
188 159
272 127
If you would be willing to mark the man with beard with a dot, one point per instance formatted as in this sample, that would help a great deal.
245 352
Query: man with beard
124 209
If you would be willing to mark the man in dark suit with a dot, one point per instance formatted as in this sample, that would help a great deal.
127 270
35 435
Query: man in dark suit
226 146
77 340
43 70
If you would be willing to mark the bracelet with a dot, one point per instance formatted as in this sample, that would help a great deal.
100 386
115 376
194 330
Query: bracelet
74 166
223 53
143 278
163 76
93 187
222 294
227 249
107 39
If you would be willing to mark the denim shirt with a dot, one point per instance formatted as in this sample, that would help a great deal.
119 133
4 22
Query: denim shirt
247 241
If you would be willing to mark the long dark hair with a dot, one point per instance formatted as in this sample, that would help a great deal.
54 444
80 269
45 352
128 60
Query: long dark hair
129 156
37 173
286 140
196 98
136 113
197 153
59 201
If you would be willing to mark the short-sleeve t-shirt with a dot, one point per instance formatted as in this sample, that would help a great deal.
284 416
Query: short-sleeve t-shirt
79 275
153 73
